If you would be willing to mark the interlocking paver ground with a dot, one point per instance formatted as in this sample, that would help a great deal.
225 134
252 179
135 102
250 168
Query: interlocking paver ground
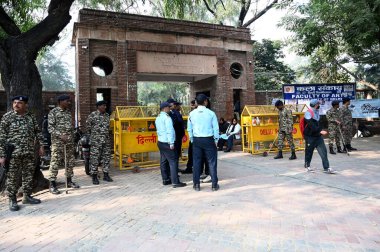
263 205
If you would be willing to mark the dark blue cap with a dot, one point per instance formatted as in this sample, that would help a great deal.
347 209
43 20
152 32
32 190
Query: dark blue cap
100 103
164 105
21 98
63 97
333 103
278 103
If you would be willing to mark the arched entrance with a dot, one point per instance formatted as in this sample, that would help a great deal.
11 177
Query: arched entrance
115 50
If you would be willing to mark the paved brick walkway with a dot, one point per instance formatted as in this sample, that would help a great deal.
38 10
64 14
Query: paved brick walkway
263 205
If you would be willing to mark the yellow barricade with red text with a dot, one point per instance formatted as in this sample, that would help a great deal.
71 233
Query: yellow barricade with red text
135 137
260 128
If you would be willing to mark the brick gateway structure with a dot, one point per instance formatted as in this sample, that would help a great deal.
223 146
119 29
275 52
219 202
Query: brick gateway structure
214 59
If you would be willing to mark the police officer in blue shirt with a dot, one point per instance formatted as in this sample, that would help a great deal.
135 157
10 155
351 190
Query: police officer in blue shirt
166 138
203 129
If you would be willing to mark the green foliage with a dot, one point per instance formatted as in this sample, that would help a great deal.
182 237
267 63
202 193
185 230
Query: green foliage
54 73
335 32
152 93
24 13
270 72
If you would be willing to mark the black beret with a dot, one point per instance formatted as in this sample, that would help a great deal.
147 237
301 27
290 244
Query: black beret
63 97
346 99
21 98
278 103
100 103
335 103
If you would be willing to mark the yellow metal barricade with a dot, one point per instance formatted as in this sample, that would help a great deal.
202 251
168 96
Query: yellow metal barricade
135 137
260 128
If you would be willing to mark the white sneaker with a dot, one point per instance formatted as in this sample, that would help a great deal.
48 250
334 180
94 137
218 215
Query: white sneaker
203 176
309 169
329 171
207 179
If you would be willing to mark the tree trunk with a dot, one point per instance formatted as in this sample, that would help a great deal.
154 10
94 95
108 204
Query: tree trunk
18 52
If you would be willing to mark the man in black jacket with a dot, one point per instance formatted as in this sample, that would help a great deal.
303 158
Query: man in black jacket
313 137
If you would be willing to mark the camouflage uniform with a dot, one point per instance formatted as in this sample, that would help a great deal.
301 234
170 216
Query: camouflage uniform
332 116
60 123
285 130
347 126
22 131
98 127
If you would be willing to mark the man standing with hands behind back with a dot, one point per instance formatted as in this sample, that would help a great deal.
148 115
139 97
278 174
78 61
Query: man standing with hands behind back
203 130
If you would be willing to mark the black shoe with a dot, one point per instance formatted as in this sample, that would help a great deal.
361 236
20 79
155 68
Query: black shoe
220 149
167 182
340 150
107 177
332 150
350 148
197 187
346 148
53 188
228 150
279 155
293 156
28 199
180 184
95 179
215 187
13 204
71 184
187 171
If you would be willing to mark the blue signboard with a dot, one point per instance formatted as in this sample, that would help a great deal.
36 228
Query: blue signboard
325 92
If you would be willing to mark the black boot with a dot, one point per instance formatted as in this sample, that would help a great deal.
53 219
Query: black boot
332 150
53 188
71 184
13 204
279 155
293 156
107 177
28 199
346 148
340 150
349 147
95 180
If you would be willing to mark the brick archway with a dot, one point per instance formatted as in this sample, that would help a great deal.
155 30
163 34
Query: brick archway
131 48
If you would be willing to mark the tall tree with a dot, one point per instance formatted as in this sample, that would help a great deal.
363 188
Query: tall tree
21 40
270 72
338 32
150 93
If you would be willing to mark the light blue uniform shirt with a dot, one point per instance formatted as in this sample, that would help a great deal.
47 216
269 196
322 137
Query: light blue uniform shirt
165 129
203 123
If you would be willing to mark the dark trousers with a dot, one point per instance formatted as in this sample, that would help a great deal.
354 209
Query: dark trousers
189 166
319 144
178 147
230 142
168 163
204 147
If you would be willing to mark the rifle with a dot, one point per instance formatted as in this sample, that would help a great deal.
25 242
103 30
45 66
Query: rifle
9 148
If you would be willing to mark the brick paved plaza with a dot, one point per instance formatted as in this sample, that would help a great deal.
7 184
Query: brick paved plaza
263 205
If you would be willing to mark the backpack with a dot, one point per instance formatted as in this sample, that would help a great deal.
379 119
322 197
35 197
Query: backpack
303 123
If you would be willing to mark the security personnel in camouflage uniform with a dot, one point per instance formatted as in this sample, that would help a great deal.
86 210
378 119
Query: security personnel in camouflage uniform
285 121
62 133
98 125
347 125
334 121
20 128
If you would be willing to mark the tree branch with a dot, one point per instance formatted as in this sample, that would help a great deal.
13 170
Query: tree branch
8 25
357 78
258 15
243 11
4 66
209 9
46 32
